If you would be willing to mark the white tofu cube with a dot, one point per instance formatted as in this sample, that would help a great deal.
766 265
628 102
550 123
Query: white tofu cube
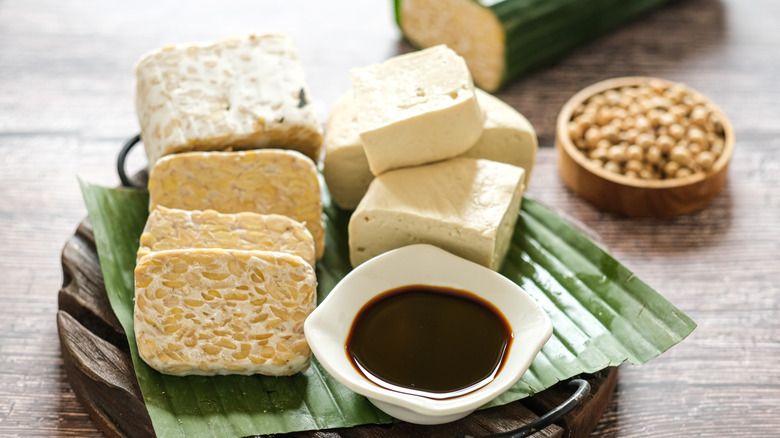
345 167
506 137
415 109
466 206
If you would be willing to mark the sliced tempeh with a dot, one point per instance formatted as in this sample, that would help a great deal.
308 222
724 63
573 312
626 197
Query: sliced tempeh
217 311
172 228
267 181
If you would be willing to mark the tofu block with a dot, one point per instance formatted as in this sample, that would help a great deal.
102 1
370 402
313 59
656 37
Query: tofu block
466 206
507 137
345 167
216 311
416 108
172 228
241 93
266 181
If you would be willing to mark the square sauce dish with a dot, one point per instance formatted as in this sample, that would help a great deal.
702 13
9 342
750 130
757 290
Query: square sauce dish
426 336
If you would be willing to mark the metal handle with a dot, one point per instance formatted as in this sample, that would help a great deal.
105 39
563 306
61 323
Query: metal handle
120 162
582 391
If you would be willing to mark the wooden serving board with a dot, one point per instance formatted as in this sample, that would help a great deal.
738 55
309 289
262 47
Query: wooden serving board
98 364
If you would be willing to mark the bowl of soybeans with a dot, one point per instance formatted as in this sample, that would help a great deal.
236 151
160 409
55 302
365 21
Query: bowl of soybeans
643 147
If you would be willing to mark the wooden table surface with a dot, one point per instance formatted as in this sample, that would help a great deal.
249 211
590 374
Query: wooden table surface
66 104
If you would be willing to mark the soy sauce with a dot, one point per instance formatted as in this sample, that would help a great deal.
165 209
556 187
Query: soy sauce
429 341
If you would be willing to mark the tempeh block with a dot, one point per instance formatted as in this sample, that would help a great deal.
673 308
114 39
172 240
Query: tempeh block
266 181
217 311
241 93
172 228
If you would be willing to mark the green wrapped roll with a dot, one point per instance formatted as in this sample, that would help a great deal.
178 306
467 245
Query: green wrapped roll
502 39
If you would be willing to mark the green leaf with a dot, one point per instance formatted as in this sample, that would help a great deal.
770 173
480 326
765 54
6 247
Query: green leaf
602 314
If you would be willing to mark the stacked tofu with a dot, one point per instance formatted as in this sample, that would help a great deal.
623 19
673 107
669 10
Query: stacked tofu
424 157
225 274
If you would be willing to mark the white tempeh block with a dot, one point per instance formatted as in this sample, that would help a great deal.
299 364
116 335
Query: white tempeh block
241 93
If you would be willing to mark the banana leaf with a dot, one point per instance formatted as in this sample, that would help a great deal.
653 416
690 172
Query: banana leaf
602 315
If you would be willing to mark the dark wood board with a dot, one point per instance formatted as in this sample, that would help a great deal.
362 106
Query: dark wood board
100 371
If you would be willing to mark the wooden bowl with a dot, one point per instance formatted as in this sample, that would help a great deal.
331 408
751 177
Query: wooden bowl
633 196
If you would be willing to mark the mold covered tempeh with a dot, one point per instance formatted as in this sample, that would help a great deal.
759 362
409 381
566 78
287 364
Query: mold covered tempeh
216 311
267 181
172 228
240 93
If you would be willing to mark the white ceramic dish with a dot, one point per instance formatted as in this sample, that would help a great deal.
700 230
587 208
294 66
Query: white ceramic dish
328 326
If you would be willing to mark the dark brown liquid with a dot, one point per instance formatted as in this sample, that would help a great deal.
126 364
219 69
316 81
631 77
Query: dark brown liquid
429 341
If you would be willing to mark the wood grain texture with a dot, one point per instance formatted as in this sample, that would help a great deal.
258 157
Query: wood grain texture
104 381
66 104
